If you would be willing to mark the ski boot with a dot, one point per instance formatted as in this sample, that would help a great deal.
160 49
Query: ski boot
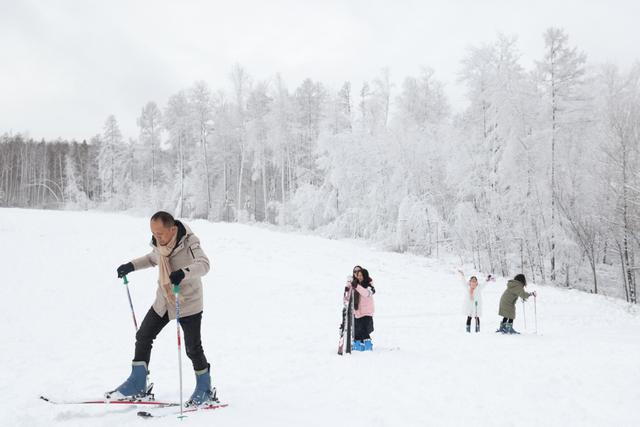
502 329
368 345
357 345
135 387
468 328
477 325
510 329
203 394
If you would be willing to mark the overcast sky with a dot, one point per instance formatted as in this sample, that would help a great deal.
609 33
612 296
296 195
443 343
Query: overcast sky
66 65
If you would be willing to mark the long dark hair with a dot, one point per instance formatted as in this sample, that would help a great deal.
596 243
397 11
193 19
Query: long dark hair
366 283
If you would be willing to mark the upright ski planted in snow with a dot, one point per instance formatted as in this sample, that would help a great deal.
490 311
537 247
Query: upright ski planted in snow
350 322
346 327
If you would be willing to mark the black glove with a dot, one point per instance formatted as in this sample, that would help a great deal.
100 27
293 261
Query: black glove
176 277
354 284
125 269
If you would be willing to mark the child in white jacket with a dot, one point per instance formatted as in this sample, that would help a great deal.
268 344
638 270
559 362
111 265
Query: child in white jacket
473 298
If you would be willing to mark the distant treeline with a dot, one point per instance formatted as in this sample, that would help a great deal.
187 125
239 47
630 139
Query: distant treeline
539 174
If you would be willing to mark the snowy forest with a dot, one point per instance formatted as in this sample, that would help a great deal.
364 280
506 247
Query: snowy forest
540 173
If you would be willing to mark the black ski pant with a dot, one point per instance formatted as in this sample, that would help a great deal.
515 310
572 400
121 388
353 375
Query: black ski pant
153 324
362 328
469 321
507 320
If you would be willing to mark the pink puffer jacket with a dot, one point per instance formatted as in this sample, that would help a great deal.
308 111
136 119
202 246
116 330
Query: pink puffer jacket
365 306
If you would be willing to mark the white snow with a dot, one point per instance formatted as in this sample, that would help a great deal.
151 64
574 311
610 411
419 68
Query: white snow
272 308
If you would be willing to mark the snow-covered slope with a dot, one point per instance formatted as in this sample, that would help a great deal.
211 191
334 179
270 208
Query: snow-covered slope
272 307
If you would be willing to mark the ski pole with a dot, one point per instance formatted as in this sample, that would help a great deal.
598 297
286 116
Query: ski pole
477 319
176 293
535 311
133 313
524 315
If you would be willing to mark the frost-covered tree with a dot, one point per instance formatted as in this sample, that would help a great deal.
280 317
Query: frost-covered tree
150 124
241 87
310 102
561 73
492 128
202 110
113 163
281 142
177 123
622 149
258 106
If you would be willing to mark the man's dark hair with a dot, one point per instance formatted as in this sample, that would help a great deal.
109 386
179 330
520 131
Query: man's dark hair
167 219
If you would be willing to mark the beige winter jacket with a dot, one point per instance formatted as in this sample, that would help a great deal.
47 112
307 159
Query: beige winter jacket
188 256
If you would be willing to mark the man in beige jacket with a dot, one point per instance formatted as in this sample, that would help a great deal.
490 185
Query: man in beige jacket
182 262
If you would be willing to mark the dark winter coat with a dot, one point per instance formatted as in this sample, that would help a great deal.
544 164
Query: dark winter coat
509 297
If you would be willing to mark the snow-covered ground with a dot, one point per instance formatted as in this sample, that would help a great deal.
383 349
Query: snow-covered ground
272 308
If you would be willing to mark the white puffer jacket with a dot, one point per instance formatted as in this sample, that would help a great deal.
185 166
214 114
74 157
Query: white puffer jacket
472 306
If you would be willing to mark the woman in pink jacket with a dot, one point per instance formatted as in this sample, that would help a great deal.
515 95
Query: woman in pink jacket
364 309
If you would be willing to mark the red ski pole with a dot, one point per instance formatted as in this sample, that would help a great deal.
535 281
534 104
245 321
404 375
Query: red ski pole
133 313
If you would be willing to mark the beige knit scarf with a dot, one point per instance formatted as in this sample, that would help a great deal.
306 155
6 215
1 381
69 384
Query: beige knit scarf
165 269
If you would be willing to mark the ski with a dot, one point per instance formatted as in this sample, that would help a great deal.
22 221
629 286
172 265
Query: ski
350 321
344 322
146 414
346 325
154 403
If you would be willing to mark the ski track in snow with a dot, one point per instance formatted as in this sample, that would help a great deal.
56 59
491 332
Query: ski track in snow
270 330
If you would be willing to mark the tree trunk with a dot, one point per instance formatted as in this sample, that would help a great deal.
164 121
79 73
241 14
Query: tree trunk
203 140
240 173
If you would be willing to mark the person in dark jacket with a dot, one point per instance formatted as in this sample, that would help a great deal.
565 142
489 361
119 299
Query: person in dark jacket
515 290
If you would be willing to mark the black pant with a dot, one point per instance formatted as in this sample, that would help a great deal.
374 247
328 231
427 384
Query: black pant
506 320
469 320
153 324
363 328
